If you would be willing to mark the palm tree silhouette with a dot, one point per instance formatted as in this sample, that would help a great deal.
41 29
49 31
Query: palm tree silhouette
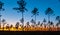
21 9
49 12
35 12
4 22
1 4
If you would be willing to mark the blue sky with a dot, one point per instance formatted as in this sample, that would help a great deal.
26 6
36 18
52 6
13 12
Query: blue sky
12 16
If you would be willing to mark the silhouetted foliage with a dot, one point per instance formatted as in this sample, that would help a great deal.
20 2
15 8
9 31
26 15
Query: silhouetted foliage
58 18
57 24
38 23
17 25
44 20
27 23
11 26
1 4
4 22
49 12
7 26
1 8
33 21
35 12
51 23
22 20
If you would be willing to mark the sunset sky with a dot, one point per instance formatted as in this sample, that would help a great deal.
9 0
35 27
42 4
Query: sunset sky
11 16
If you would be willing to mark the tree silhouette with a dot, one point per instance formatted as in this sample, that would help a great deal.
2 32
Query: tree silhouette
35 12
21 9
49 12
1 8
33 22
58 18
17 25
38 23
11 26
7 27
44 20
4 22
27 23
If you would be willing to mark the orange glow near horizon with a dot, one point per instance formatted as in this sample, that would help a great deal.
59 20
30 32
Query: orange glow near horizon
31 29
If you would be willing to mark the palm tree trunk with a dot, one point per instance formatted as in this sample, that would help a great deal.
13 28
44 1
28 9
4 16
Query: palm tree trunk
23 21
35 19
48 21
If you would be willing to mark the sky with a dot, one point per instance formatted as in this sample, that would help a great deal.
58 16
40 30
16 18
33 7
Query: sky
11 16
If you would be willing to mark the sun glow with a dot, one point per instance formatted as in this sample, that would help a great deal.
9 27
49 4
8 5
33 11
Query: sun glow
31 28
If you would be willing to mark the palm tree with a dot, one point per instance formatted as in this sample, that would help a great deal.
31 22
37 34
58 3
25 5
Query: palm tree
35 12
17 25
21 9
4 22
1 4
49 12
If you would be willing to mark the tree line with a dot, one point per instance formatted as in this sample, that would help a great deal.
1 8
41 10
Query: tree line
22 8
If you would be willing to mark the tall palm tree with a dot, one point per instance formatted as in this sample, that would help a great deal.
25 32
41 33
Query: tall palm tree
4 22
1 4
21 9
49 12
35 13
